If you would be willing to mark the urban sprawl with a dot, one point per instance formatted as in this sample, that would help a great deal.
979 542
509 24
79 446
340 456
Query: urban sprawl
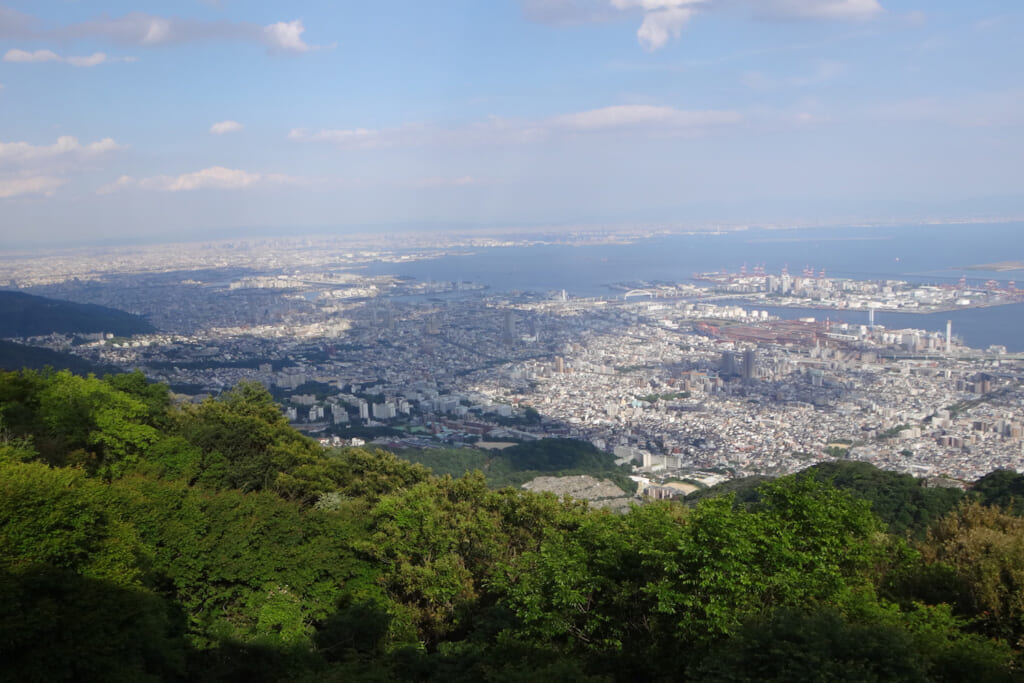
689 381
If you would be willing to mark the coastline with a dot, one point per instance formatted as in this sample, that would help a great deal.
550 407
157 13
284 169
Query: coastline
930 310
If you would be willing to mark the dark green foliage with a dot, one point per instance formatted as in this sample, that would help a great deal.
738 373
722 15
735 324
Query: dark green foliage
356 630
975 561
440 542
455 462
516 465
108 429
650 589
25 315
144 541
554 455
371 474
904 503
58 625
827 645
71 572
62 519
155 397
244 442
892 432
244 567
745 491
14 356
1004 488
531 416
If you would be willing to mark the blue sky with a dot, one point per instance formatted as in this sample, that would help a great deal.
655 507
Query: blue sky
192 118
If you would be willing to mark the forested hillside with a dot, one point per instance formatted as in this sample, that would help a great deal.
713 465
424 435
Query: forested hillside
906 505
142 540
26 315
522 462
14 356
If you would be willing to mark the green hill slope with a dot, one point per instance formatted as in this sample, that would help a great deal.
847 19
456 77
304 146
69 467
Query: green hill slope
26 315
16 356
905 504
519 464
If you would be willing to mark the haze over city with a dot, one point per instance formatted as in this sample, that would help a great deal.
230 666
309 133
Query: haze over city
186 120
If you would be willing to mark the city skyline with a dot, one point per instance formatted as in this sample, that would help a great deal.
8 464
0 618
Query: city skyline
221 117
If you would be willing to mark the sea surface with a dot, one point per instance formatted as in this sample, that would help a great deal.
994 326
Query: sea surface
922 253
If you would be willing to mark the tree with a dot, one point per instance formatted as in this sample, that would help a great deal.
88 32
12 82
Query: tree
877 644
1004 488
440 541
984 548
89 415
640 587
246 443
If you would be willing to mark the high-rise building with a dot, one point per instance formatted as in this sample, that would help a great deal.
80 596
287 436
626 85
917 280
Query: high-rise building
749 366
728 365
509 327
383 411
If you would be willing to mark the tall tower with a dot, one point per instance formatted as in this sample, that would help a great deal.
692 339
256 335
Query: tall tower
749 366
728 364
509 327
949 335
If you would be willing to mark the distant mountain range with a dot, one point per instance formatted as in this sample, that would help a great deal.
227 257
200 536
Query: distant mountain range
26 315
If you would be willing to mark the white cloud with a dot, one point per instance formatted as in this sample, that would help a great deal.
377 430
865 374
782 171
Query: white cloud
66 147
94 59
655 5
660 27
497 130
644 116
41 169
224 127
664 20
215 177
143 29
355 137
37 56
286 36
140 28
13 187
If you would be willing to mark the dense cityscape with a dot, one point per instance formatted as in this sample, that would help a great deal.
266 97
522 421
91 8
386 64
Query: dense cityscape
688 381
